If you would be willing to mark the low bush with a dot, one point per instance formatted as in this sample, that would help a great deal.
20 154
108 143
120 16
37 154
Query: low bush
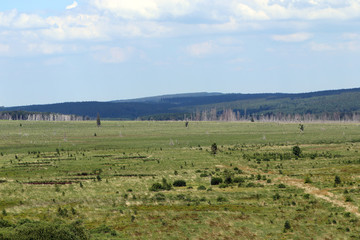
159 187
179 183
28 230
102 229
156 187
228 180
159 197
216 180
239 180
221 199
307 180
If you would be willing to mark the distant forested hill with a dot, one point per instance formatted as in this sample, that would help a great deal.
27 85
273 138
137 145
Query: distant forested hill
331 105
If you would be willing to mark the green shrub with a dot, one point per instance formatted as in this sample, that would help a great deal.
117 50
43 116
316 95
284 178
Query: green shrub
239 180
4 224
216 181
228 180
251 184
201 187
348 199
337 180
180 197
287 226
214 148
45 230
159 187
296 151
276 196
281 185
221 199
179 183
156 187
102 229
159 197
307 180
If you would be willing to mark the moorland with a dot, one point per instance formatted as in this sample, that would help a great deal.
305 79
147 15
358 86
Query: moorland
163 180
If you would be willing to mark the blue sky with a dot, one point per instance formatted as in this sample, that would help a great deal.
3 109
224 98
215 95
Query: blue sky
60 51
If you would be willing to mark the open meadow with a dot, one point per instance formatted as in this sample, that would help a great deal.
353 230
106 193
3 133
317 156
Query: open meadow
162 180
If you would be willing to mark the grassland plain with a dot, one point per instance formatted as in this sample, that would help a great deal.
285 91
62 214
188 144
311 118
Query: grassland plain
116 179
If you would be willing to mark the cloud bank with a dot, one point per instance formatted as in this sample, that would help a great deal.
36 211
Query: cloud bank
112 20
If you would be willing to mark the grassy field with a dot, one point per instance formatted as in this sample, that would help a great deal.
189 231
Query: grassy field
117 181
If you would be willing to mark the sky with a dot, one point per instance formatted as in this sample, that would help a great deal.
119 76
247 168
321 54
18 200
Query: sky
102 50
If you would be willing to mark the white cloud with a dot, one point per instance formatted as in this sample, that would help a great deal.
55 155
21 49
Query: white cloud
247 13
4 48
201 49
147 9
292 9
113 54
351 36
73 5
54 61
321 47
15 20
341 46
45 48
295 37
81 26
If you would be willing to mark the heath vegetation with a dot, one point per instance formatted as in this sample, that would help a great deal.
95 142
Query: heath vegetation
165 180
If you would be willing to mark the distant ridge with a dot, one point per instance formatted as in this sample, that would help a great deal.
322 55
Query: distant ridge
341 104
168 96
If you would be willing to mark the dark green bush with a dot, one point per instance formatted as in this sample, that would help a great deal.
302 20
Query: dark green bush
102 229
201 187
4 224
214 148
221 199
179 183
159 197
159 187
296 151
156 187
251 184
216 180
228 180
239 180
45 230
287 226
337 180
276 196
308 180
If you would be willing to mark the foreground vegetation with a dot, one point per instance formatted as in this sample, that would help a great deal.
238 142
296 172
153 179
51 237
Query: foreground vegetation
162 180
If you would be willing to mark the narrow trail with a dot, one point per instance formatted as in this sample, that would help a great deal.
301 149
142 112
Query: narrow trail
316 192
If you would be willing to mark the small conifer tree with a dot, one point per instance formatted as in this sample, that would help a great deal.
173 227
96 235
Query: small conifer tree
98 122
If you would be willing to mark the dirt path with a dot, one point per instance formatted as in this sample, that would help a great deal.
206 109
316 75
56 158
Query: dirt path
318 193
